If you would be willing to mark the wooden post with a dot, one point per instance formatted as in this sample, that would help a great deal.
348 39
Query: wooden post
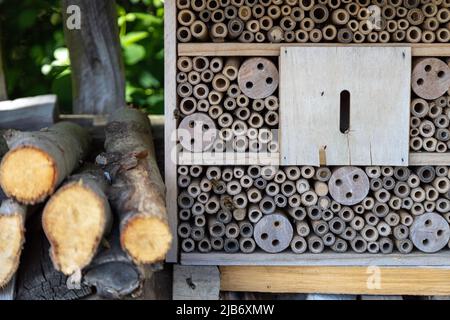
95 54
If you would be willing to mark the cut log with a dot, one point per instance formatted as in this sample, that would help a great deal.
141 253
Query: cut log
37 278
76 218
37 162
98 77
112 273
12 238
29 114
3 150
137 193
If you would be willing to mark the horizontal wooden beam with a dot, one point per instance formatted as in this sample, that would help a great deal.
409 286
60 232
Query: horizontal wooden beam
238 159
329 259
429 158
337 280
273 49
218 159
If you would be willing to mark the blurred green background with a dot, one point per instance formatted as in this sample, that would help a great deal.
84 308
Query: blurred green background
37 61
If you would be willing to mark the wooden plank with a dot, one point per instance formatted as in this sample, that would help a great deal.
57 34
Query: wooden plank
429 158
29 114
337 280
416 259
196 283
273 49
218 159
186 158
314 80
170 56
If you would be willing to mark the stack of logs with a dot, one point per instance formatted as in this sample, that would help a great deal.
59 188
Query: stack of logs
430 108
42 170
343 21
307 209
227 104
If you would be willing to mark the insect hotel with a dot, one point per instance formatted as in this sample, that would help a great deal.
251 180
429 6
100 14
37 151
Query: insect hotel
307 143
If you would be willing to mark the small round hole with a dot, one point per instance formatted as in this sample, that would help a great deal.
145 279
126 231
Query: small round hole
270 80
275 242
264 236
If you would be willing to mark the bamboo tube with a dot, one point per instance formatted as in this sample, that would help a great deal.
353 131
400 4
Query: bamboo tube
340 17
329 32
372 37
415 17
443 35
274 12
307 24
345 35
315 244
286 10
244 13
297 14
301 36
234 91
216 65
413 34
220 83
315 35
319 13
199 30
359 244
235 28
184 64
306 5
186 17
184 34
443 15
219 32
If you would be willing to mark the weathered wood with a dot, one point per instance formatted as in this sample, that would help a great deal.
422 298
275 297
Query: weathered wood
37 278
273 233
330 297
258 78
95 56
170 139
196 283
37 162
327 258
76 218
218 158
112 273
137 192
348 185
12 237
29 114
372 100
430 78
381 297
430 232
337 280
273 49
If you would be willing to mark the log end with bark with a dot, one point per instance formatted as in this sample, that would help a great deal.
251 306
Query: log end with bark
137 192
75 220
12 238
146 239
37 162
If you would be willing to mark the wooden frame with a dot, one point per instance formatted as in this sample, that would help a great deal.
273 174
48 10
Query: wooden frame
323 273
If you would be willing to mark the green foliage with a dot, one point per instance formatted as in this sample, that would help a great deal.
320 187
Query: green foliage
37 61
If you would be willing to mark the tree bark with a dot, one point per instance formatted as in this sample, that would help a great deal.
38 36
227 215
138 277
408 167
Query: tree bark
137 192
37 278
37 162
75 220
12 238
96 59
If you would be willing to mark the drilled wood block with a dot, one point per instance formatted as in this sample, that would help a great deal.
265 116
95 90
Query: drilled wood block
350 106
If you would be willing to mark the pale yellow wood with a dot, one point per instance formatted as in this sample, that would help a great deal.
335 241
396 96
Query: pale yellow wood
170 56
218 159
338 280
378 80
273 49
429 158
